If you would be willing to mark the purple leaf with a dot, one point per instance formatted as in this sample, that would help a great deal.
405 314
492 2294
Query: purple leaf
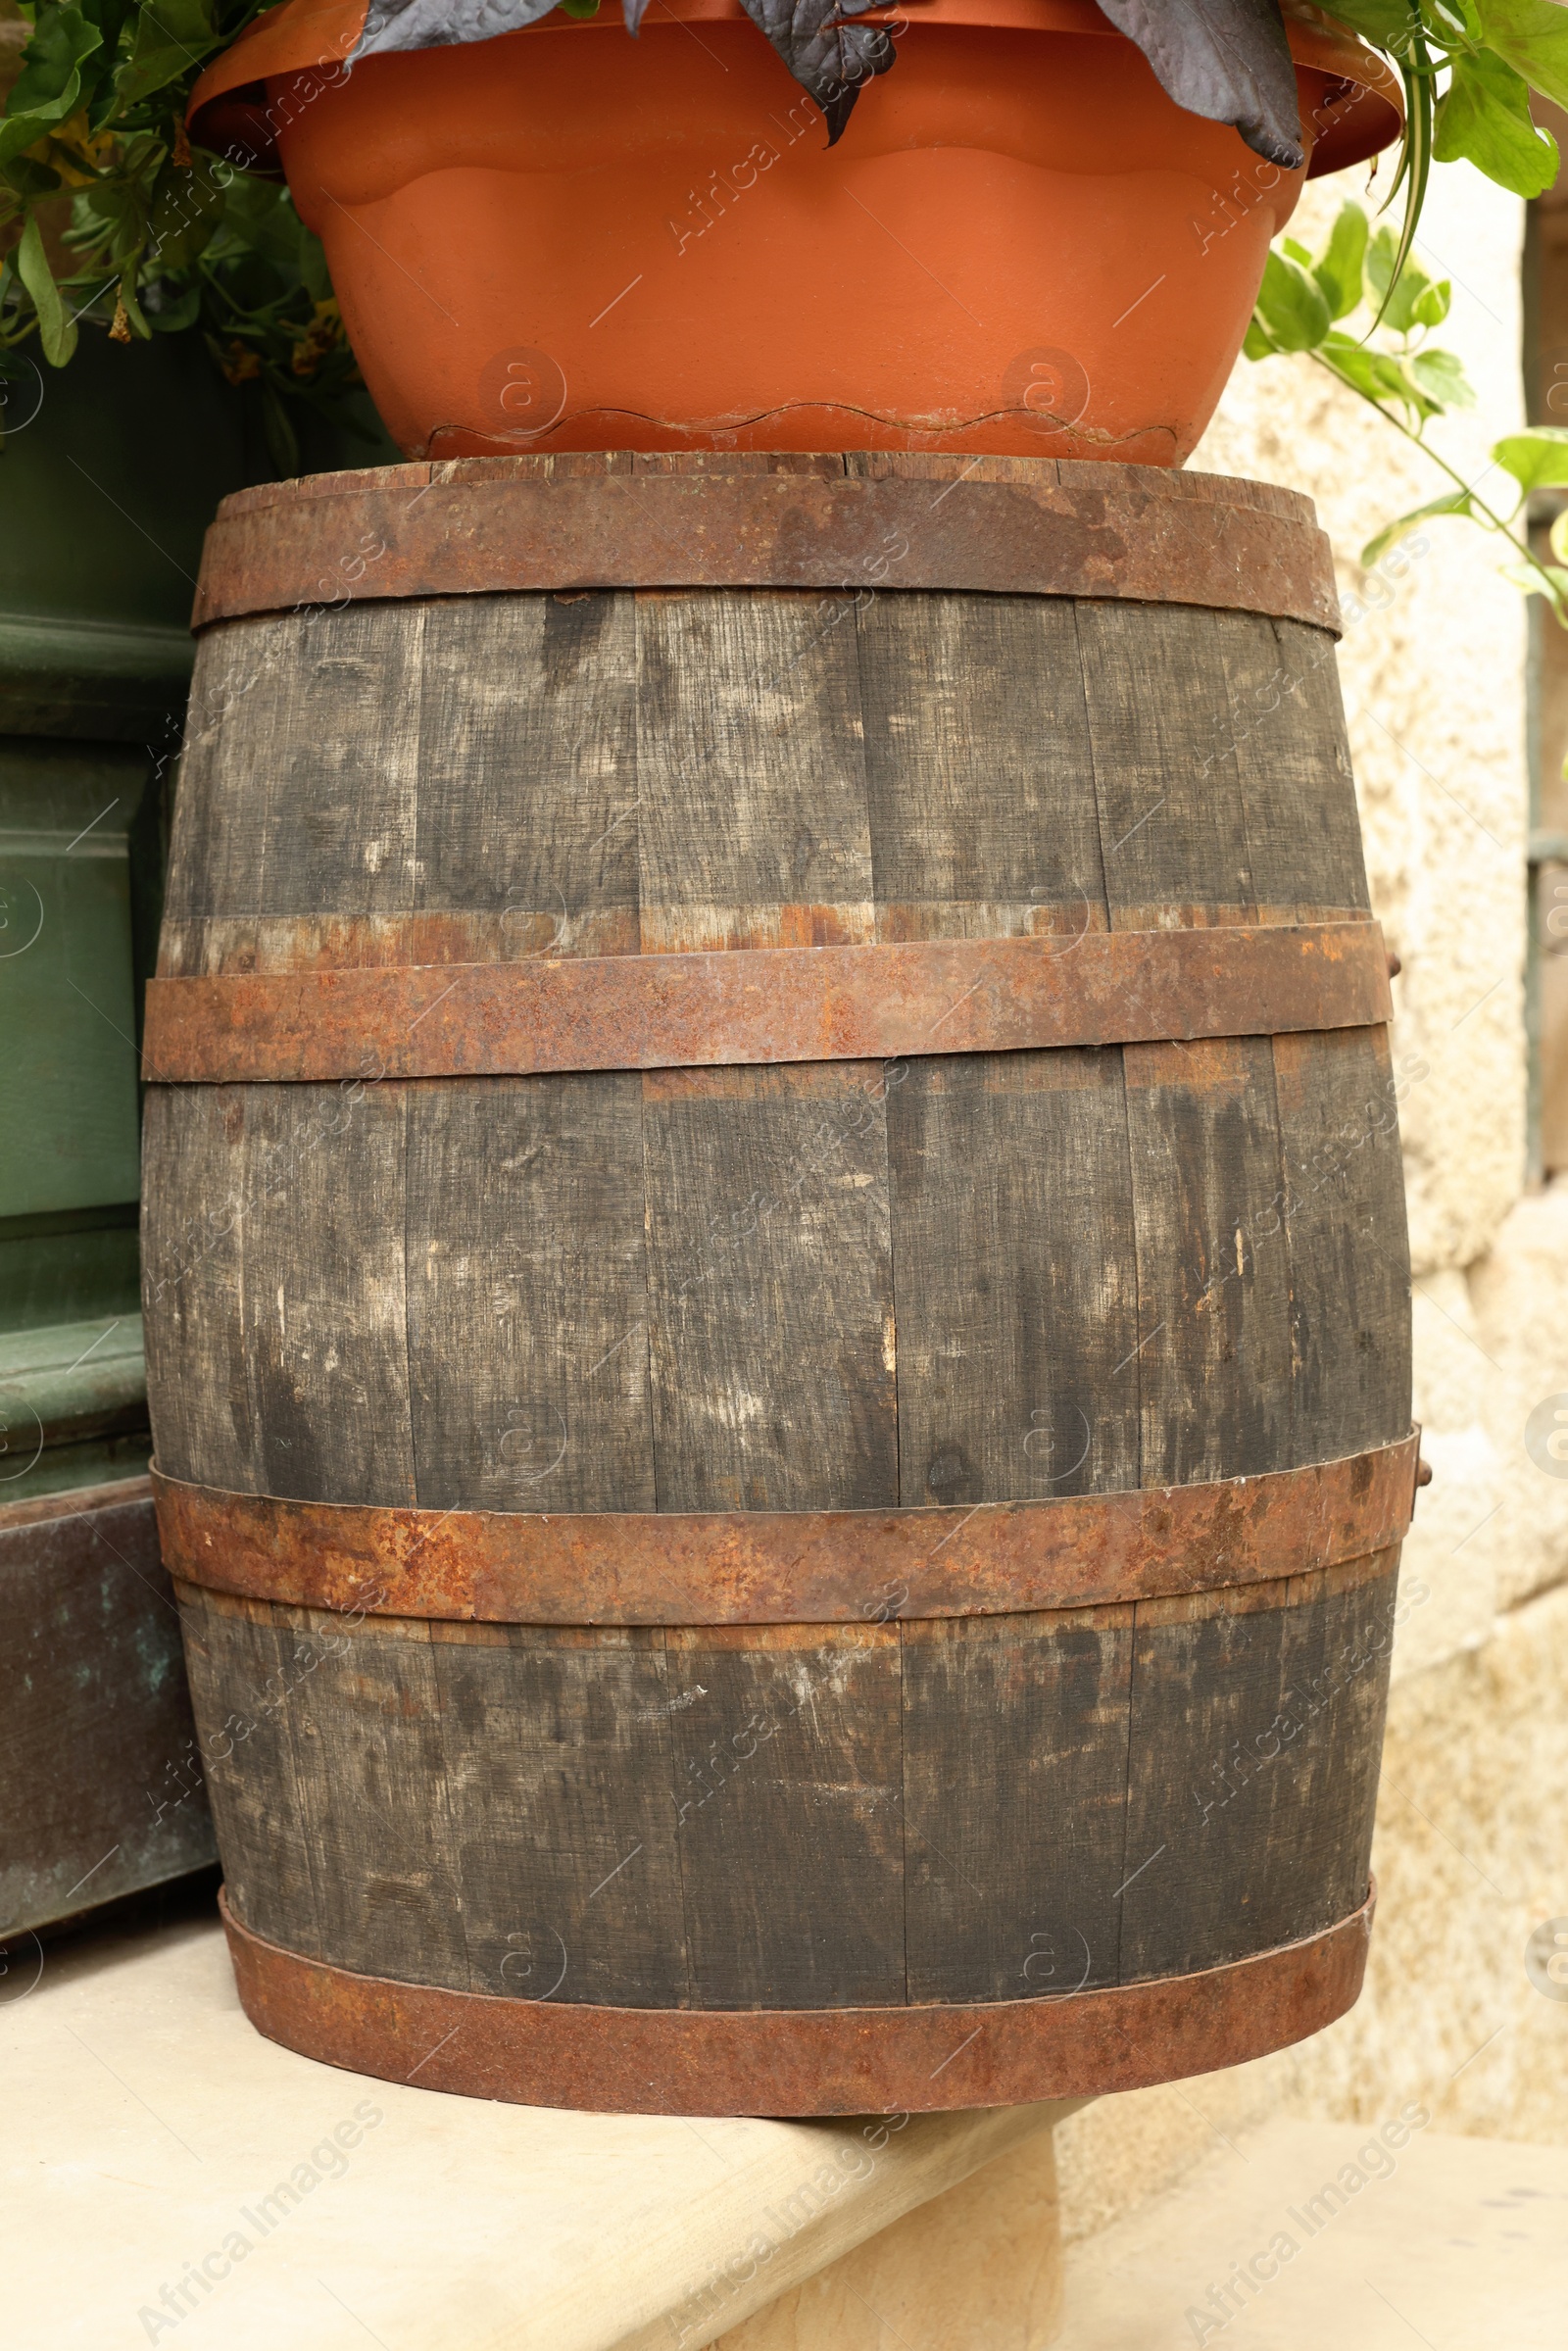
830 57
1228 60
434 24
1225 58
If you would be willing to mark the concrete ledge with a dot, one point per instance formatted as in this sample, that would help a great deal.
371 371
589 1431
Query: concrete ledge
174 2179
1457 2244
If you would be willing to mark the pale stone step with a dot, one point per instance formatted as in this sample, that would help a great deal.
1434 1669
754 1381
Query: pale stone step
1457 2244
168 2176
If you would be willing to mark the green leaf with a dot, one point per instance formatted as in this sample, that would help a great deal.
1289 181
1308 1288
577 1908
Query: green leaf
187 203
1291 306
1339 270
48 86
1484 118
1260 343
171 38
110 17
263 220
119 21
172 318
133 310
1458 502
1531 36
1415 148
1433 303
108 200
1383 22
1380 258
1441 376
1404 300
28 179
48 89
1528 580
1376 373
1411 299
1537 460
57 329
1292 246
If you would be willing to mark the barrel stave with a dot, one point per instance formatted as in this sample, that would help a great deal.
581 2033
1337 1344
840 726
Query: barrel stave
1343 1218
1018 1366
528 1308
1214 1370
967 1809
1256 1734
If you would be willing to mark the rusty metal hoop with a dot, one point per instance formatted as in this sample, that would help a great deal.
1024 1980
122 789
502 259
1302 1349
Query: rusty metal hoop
786 1567
801 2061
1010 527
765 1005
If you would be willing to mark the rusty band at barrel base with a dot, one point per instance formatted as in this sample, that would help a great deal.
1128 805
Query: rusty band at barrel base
765 1006
792 1567
926 2058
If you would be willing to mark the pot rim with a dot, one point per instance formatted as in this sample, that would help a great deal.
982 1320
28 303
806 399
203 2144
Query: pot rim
303 36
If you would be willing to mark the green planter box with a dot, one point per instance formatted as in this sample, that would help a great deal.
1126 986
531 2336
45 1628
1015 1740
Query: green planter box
110 472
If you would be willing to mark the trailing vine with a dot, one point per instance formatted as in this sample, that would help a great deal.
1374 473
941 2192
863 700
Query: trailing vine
1393 365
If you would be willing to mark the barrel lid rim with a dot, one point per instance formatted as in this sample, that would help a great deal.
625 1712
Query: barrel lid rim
533 522
1194 485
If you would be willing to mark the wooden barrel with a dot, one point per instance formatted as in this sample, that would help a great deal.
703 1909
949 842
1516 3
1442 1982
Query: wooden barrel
777 1282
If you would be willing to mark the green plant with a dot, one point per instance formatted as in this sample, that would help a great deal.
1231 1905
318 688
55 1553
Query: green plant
157 237
1468 67
1394 366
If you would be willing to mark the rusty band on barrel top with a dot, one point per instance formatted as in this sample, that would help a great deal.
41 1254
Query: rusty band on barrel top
786 1567
488 525
765 1005
801 2061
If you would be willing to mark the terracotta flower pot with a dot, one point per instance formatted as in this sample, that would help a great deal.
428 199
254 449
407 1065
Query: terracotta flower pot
564 238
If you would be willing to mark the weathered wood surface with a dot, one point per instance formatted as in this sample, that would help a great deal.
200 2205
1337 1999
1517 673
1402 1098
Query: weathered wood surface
768 1288
799 1817
100 1786
956 1279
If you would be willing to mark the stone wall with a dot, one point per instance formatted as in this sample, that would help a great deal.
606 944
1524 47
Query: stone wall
1471 1846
